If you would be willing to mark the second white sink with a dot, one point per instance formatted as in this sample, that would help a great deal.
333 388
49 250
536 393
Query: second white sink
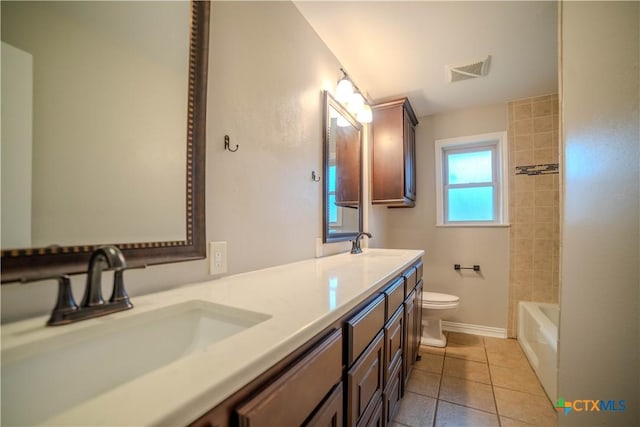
62 372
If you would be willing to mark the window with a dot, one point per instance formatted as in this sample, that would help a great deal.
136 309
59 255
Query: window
335 214
470 180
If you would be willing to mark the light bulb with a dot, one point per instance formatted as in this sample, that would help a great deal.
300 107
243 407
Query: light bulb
365 115
356 103
344 90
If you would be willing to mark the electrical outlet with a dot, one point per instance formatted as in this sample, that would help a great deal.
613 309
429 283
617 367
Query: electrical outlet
217 257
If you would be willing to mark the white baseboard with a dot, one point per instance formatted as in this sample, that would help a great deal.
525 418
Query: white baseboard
487 331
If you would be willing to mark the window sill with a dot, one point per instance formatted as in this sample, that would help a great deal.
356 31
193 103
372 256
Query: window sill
474 225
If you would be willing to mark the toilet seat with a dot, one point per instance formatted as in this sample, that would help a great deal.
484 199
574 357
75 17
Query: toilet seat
434 300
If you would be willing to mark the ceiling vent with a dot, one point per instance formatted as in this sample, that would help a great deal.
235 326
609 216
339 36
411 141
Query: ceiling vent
455 73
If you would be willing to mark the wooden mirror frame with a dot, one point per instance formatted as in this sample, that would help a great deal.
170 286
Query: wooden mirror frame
30 262
330 101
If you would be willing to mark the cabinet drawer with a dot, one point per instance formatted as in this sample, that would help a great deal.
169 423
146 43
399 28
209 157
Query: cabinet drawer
394 297
365 381
419 271
393 342
330 413
393 393
294 395
363 327
375 419
410 280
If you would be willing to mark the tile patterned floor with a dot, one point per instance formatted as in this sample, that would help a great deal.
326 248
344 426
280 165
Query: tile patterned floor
474 381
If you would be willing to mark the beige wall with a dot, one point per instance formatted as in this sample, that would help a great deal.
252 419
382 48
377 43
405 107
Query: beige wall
268 69
599 346
483 297
534 203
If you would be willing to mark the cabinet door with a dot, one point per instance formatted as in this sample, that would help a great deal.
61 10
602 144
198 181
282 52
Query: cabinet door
410 325
409 158
393 394
365 382
295 394
376 418
418 320
388 154
393 334
347 168
330 413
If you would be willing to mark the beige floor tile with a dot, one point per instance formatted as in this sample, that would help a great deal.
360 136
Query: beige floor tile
525 407
467 339
462 351
518 379
424 383
510 422
514 358
467 369
451 415
416 410
430 363
467 393
500 344
432 350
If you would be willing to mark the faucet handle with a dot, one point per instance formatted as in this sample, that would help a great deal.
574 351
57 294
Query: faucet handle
65 303
119 294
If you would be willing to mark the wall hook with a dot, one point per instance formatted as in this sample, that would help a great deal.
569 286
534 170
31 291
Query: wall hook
227 147
314 177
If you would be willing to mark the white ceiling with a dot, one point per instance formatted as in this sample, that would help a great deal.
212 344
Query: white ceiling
395 48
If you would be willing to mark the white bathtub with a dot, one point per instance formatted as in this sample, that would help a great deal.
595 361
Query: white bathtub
538 337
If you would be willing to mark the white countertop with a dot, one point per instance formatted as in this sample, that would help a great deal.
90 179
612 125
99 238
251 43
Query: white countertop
302 298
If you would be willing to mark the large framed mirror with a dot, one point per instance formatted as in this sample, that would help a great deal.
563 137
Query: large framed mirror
103 136
342 201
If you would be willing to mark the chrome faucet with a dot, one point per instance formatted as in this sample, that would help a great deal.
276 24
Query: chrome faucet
355 243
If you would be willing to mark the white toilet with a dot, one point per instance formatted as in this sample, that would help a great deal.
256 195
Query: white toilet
435 307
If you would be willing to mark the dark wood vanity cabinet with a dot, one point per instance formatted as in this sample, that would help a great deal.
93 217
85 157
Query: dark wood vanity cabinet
290 399
394 154
353 374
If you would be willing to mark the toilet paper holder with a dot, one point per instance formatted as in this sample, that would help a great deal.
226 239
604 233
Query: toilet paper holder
457 267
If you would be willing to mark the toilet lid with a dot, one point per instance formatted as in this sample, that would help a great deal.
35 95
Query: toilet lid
434 297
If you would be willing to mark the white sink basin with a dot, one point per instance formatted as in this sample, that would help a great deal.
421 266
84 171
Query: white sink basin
47 377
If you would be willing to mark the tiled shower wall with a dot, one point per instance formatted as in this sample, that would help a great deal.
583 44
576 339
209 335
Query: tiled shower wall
533 203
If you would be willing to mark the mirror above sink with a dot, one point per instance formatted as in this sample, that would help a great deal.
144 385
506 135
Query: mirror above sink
342 211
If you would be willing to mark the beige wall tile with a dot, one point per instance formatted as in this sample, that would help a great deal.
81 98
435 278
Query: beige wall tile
544 182
524 231
524 127
544 231
543 198
524 142
526 199
543 140
542 98
524 183
541 124
523 215
544 156
541 108
544 214
522 111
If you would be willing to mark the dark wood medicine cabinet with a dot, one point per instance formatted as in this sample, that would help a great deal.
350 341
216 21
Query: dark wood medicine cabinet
393 174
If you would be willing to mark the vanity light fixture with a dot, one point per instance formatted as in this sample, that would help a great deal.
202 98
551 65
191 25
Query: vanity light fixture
348 94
